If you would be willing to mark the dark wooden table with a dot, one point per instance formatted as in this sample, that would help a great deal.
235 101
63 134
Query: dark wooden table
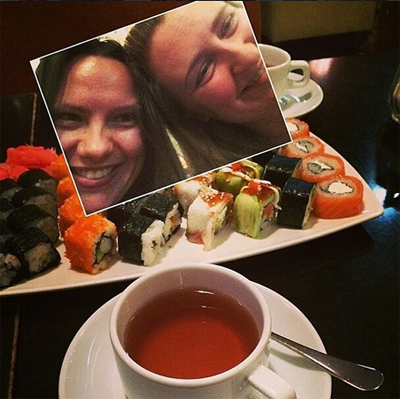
346 284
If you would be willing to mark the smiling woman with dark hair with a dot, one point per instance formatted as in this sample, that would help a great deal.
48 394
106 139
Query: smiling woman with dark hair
205 71
114 151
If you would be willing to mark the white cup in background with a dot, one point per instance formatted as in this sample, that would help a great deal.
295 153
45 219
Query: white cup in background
279 65
234 383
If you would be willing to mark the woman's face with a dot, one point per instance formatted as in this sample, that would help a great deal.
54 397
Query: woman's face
97 122
205 54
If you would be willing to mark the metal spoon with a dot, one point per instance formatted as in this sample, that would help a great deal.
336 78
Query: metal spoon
358 376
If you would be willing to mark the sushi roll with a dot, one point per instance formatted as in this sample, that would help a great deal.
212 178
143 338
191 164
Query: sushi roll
58 168
302 147
37 196
121 213
10 267
187 191
8 187
34 250
90 243
162 207
32 215
69 213
254 207
140 239
6 207
318 167
207 215
232 178
280 168
5 232
39 178
297 128
296 203
339 197
65 189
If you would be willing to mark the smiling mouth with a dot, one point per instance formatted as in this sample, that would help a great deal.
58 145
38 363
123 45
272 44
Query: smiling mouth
92 174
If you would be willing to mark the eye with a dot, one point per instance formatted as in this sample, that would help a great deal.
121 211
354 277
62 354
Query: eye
68 120
228 26
205 73
125 120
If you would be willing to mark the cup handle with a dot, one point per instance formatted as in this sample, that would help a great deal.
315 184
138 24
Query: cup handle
270 384
305 68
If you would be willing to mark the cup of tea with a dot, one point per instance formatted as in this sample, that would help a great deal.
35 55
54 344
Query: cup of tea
194 331
279 65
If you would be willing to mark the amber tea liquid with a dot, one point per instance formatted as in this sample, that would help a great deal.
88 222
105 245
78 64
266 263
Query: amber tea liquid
191 333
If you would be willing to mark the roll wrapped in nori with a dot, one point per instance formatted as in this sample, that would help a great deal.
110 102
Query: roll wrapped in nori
38 196
6 207
34 250
280 168
140 239
254 207
39 178
164 208
8 187
296 203
5 232
32 215
10 267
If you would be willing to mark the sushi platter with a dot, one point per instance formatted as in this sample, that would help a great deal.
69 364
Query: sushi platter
227 245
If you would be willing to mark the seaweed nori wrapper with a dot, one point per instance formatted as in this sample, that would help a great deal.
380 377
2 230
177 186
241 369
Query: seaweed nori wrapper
157 206
11 270
295 201
30 238
8 187
32 215
130 237
39 178
5 232
280 168
6 207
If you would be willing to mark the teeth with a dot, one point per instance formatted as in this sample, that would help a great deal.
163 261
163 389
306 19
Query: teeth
93 173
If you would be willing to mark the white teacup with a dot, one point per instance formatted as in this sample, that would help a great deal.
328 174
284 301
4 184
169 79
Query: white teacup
279 65
235 383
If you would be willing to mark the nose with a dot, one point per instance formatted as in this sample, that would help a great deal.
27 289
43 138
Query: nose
96 141
243 56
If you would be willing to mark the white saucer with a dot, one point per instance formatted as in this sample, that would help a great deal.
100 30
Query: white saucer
302 100
89 371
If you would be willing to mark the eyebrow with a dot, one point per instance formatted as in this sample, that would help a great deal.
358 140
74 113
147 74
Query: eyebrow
198 56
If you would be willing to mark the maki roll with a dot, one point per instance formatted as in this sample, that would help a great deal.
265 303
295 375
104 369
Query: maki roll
37 196
69 213
8 187
187 191
296 203
164 208
254 207
65 189
58 168
339 197
232 178
207 215
319 167
140 239
302 147
39 178
34 250
90 243
297 128
5 232
10 267
31 215
6 207
280 168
